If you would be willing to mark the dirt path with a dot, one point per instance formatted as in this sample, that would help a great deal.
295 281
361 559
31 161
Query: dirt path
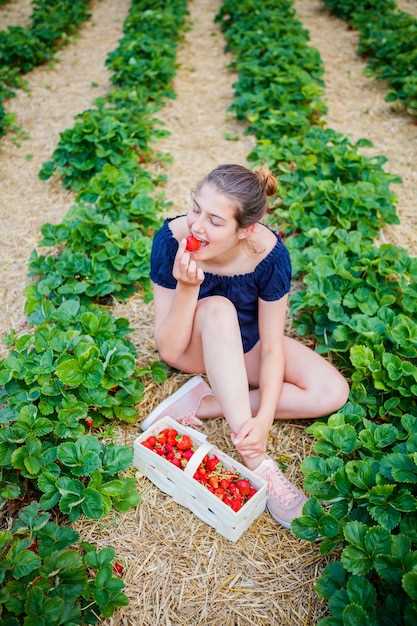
16 13
56 96
409 6
357 108
178 570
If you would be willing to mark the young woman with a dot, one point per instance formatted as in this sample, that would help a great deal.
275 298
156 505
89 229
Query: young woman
221 310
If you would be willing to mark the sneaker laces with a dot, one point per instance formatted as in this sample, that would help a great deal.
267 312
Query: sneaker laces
190 419
291 493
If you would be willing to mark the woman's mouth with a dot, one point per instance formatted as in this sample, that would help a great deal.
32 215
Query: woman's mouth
203 242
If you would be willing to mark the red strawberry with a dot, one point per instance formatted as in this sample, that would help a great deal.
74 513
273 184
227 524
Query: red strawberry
176 462
244 487
225 484
220 493
184 443
236 504
212 463
228 500
118 568
89 422
33 546
193 244
187 454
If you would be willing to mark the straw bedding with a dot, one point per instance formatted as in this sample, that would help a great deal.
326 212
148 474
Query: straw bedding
178 571
15 13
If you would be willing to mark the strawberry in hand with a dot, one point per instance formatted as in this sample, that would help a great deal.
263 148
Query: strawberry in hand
193 244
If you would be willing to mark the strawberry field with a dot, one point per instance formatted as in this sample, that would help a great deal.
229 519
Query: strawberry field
108 116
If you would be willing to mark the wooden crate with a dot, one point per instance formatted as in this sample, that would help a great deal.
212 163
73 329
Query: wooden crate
188 492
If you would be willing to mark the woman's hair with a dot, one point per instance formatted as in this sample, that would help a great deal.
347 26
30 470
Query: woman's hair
249 190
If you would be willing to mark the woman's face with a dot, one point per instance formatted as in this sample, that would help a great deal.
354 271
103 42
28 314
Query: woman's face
211 219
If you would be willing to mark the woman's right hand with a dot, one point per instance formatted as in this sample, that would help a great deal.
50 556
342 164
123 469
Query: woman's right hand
185 269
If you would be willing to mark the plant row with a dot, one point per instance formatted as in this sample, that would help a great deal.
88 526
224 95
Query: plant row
23 48
76 368
388 40
357 300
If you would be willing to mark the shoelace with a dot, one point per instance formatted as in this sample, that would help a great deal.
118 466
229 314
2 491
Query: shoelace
292 494
190 419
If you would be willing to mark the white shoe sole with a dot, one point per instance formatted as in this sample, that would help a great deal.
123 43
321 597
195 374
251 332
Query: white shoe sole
280 521
156 413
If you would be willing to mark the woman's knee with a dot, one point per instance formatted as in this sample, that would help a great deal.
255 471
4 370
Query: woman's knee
215 311
333 393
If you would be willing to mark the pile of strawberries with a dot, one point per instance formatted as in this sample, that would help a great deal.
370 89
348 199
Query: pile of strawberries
225 484
174 447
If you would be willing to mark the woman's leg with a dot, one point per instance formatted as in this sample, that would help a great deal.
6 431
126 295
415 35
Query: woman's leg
312 386
216 348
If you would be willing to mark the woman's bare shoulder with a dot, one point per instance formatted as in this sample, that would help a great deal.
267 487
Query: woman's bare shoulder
179 227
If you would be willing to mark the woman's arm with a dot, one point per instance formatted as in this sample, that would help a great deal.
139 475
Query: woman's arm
272 317
174 327
174 320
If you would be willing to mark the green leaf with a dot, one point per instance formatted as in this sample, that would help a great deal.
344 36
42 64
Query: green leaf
356 560
409 583
354 615
70 373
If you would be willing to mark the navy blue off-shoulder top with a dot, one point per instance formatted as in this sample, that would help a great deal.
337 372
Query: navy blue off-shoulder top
270 280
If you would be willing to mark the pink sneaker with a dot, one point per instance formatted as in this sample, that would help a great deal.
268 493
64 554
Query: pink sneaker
182 405
284 501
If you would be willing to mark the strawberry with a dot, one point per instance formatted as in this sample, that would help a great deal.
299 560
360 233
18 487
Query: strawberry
168 448
169 432
236 504
33 546
220 493
234 490
228 500
244 487
161 438
187 454
252 492
89 422
184 443
176 462
225 484
118 568
214 481
193 244
212 463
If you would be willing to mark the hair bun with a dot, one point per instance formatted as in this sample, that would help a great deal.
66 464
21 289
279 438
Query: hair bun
267 180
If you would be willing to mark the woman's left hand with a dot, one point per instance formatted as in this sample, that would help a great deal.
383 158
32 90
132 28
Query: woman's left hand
251 440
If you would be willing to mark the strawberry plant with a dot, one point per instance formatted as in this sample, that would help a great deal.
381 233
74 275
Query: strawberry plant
49 578
22 49
358 301
387 38
76 368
